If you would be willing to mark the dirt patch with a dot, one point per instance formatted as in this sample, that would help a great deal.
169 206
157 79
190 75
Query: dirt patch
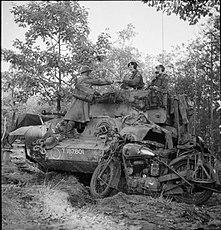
47 201
35 200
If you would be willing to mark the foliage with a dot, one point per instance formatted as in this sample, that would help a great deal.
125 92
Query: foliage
50 69
190 11
126 35
55 25
194 70
120 53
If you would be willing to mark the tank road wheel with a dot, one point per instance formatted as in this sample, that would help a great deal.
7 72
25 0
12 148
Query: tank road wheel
195 195
100 184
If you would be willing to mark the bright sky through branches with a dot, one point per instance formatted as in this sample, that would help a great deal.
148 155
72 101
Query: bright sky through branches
116 15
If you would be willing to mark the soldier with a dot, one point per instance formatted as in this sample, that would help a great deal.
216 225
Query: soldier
160 82
135 80
83 94
159 88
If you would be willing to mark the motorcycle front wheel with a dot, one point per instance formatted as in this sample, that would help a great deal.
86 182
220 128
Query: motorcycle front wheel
100 184
195 195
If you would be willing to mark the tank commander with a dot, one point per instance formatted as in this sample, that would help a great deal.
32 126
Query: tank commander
83 95
160 82
158 88
135 79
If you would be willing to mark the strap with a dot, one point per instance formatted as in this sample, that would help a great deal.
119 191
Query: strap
41 119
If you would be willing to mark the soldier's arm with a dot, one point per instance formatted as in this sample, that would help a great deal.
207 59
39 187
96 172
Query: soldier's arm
98 82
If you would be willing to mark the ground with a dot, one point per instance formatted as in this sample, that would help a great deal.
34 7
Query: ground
57 201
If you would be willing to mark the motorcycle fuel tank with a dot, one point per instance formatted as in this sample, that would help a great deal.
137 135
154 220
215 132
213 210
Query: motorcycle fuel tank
136 150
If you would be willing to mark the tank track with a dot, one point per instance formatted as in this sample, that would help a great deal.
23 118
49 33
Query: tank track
27 166
19 159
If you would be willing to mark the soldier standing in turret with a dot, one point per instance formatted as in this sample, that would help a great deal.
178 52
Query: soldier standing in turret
160 81
135 80
159 87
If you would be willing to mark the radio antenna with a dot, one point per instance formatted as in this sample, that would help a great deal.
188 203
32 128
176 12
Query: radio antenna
162 40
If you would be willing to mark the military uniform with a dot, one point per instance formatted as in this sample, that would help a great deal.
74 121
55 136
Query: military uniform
83 94
158 95
135 81
161 81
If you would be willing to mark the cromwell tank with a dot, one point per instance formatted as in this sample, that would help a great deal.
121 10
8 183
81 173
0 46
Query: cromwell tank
148 116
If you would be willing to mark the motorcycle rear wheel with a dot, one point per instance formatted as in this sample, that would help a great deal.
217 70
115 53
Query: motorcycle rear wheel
100 187
198 196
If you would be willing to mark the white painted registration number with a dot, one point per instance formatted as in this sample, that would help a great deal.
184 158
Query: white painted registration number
77 151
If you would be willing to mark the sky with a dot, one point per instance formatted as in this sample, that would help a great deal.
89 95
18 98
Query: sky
155 30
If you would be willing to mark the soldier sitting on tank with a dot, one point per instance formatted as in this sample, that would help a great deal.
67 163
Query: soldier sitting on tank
160 81
134 80
83 95
159 85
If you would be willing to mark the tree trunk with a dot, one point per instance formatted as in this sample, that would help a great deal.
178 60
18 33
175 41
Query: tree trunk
211 99
59 76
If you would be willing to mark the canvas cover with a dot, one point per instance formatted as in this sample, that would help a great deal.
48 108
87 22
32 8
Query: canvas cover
26 119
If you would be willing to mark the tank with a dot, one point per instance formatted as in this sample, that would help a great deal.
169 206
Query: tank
147 116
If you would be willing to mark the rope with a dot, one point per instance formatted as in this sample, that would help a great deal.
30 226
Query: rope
42 122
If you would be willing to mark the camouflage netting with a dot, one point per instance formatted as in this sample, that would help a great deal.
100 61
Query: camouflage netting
140 99
144 100
159 106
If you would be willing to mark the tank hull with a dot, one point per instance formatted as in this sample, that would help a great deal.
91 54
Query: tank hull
72 155
143 116
68 166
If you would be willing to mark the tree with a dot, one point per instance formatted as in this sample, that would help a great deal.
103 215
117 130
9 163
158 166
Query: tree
122 52
196 73
12 97
56 25
191 11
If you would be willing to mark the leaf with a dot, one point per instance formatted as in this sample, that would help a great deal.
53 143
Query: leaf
187 10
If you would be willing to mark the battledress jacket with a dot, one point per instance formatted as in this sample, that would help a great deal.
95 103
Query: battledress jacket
135 81
160 81
79 110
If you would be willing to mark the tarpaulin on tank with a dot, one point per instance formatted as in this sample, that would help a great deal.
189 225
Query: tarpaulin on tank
27 119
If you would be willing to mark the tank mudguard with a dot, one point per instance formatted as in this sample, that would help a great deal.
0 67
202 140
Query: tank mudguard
117 173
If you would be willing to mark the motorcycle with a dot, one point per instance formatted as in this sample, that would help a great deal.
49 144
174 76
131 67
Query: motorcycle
187 175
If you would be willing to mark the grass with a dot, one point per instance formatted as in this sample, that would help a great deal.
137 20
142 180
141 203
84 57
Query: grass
58 201
47 201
